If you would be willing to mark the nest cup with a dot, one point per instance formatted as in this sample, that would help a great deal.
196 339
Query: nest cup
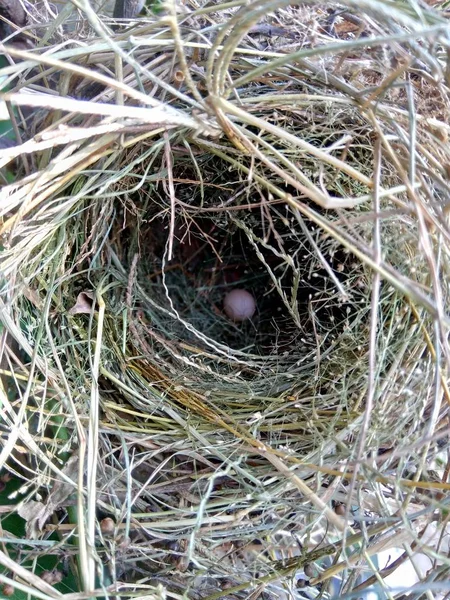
309 182
265 247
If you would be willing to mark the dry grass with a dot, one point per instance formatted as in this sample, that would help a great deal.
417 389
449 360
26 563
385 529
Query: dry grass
301 152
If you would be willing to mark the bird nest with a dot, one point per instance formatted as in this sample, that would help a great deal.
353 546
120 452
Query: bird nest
156 444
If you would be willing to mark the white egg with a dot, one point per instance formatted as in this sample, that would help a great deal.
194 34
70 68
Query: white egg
239 305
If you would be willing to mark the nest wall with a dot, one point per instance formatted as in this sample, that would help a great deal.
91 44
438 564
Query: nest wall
184 157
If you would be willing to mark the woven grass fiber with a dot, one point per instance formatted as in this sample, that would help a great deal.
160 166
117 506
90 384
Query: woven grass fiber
152 447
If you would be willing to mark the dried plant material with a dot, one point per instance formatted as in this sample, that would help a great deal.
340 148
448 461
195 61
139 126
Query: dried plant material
33 296
297 152
83 305
37 513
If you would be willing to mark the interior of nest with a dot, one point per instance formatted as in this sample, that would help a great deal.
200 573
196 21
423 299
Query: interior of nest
186 240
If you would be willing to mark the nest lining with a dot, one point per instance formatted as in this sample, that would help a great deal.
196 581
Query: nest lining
264 252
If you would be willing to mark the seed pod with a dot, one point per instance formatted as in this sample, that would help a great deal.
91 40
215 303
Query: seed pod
340 509
8 590
52 577
310 571
107 526
58 576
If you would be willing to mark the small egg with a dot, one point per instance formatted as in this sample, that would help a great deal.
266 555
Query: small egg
239 305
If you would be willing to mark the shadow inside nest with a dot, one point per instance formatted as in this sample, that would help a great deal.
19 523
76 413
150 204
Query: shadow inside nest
305 286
